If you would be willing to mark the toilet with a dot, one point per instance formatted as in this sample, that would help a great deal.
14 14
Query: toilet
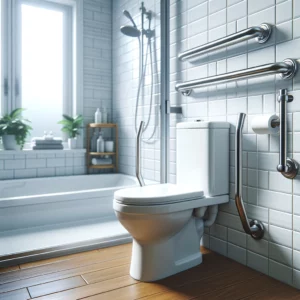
167 221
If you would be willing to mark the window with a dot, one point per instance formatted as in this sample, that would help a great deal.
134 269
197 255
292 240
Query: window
38 75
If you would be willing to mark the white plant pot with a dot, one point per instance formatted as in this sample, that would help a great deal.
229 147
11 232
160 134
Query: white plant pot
72 143
10 143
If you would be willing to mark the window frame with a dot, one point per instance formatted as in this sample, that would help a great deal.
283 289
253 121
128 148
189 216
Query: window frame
73 53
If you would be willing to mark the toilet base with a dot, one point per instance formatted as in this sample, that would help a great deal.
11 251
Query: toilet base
151 262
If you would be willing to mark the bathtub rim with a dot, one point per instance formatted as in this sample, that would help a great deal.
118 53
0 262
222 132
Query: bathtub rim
63 196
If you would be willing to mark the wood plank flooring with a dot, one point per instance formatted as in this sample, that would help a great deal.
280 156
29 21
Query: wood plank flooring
104 274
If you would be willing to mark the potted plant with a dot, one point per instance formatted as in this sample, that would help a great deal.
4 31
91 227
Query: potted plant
72 127
14 130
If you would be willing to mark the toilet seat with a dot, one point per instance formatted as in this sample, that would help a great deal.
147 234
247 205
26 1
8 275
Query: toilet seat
158 194
162 199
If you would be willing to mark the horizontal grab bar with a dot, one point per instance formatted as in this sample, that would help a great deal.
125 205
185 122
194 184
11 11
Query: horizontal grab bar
287 70
261 33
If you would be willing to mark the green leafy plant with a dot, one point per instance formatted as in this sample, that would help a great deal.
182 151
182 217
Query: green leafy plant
14 124
71 125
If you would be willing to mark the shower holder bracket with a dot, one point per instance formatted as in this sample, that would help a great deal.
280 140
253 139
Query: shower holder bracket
173 109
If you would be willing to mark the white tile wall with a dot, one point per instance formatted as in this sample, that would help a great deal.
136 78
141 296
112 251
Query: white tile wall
31 164
274 199
125 82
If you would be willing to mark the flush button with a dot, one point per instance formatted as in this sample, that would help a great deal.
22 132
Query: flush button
198 120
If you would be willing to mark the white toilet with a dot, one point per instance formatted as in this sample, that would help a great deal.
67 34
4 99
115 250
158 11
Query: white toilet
167 221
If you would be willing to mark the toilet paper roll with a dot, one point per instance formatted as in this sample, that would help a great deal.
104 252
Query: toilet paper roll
263 124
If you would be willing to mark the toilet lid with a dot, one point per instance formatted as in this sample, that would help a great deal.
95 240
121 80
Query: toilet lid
157 194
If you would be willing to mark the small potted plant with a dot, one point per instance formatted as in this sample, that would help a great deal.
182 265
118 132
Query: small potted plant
72 127
14 130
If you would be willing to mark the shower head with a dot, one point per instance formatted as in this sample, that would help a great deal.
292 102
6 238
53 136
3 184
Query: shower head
130 31
127 14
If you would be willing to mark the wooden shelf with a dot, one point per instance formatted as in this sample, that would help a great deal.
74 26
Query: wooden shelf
102 125
102 153
90 128
102 166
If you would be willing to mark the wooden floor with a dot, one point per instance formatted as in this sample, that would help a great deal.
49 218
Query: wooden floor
103 274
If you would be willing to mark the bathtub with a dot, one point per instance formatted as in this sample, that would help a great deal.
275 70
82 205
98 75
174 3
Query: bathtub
47 217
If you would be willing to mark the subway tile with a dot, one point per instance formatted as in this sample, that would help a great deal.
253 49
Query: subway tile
25 173
281 272
257 262
284 12
279 183
216 5
237 253
269 104
218 231
258 246
296 240
218 246
255 105
284 32
296 259
217 19
10 164
236 237
280 236
281 254
237 11
35 163
296 223
275 200
296 28
296 279
217 108
263 179
280 219
258 5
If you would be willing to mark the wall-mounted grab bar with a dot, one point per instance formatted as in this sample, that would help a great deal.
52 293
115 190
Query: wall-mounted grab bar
138 155
287 70
288 167
261 33
253 227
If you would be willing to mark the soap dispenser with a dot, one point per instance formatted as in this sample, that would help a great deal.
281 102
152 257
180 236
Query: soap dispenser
98 116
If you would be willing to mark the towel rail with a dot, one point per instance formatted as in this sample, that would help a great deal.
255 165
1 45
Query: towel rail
261 33
287 70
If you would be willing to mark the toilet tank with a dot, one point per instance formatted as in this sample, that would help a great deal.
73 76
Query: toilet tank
202 156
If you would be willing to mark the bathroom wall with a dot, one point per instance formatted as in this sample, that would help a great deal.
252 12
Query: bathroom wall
97 90
268 196
125 85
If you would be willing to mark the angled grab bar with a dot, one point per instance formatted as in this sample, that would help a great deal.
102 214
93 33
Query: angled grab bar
261 33
138 155
253 227
287 70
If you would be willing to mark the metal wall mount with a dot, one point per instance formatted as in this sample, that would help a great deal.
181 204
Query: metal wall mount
253 227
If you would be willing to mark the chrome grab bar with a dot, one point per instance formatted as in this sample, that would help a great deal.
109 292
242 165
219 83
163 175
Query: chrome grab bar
287 70
261 33
253 227
138 155
288 167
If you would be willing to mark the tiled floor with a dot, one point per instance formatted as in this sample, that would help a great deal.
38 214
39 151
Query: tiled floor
104 274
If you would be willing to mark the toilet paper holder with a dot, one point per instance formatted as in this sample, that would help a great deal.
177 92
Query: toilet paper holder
288 167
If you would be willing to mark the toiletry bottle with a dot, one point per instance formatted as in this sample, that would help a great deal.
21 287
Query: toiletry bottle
94 141
100 143
104 115
98 116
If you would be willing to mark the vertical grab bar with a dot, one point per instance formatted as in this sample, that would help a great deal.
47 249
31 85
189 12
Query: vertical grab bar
253 227
138 155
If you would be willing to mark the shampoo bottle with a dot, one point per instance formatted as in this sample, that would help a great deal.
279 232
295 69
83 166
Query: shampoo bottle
100 143
98 116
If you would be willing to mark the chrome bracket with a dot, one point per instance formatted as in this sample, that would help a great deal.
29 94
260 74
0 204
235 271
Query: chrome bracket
265 34
288 167
173 109
293 67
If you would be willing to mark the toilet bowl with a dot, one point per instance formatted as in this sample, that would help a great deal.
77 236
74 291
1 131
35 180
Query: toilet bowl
167 221
166 235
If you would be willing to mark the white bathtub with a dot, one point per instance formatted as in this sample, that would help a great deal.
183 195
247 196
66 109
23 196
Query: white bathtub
47 217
